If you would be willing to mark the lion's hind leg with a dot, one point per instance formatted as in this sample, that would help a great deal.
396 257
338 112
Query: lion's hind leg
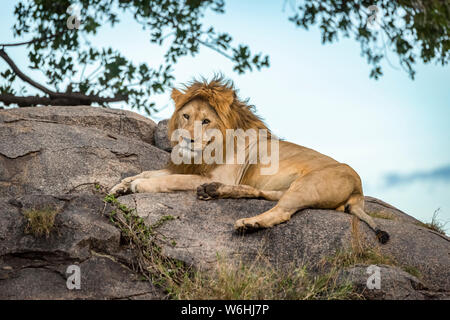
328 188
331 188
272 217
216 190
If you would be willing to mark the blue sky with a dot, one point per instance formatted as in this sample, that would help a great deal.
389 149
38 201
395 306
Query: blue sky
319 96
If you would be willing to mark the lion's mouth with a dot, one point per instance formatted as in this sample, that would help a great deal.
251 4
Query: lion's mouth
189 147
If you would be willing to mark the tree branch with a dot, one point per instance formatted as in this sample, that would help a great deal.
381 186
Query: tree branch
23 76
31 41
212 47
64 100
55 98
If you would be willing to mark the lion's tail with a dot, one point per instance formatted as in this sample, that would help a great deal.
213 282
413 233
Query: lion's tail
355 206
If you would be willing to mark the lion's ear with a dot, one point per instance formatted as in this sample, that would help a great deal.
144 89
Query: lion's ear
222 100
176 95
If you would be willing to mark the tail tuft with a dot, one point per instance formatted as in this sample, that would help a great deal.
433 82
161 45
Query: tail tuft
382 236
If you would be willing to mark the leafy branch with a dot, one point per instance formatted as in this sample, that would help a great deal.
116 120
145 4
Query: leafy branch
67 54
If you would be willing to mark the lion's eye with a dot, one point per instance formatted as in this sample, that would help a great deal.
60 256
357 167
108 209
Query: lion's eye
205 121
186 116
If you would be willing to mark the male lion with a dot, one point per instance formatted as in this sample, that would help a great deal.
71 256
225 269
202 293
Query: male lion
305 178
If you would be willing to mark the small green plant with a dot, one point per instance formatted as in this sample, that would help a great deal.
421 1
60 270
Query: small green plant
40 221
435 224
413 271
109 198
151 263
161 221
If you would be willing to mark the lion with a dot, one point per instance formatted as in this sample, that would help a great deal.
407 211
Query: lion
304 177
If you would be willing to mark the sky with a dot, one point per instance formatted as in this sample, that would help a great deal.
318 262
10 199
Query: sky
394 132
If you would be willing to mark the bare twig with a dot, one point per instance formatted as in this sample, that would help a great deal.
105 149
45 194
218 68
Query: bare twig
32 40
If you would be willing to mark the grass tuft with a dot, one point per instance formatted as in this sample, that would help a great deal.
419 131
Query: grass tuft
435 224
382 215
413 271
40 221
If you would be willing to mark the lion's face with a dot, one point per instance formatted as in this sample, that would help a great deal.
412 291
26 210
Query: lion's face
197 120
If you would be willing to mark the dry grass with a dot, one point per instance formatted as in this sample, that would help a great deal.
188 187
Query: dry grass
40 221
382 215
360 251
260 280
365 254
413 271
435 224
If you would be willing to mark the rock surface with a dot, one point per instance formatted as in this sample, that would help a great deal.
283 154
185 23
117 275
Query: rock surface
35 267
161 136
60 156
114 121
395 284
37 156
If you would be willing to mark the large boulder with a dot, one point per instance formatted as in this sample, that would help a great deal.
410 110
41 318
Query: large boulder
65 157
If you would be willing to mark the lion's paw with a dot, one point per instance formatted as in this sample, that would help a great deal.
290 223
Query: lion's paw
246 225
208 191
120 189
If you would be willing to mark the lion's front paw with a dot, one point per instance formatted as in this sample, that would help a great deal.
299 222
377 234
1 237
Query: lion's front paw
208 191
118 190
246 225
121 189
